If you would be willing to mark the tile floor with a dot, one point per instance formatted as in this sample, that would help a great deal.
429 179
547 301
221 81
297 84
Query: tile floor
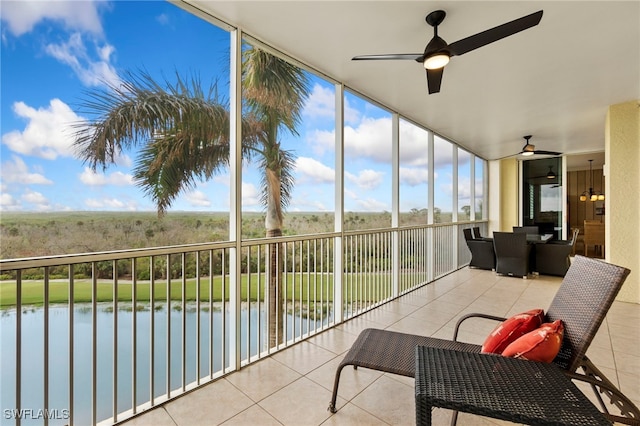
293 387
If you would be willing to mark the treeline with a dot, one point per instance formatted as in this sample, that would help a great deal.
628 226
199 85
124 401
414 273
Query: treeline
46 234
42 234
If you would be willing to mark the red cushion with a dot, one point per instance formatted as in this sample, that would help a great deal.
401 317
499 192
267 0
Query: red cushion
542 344
512 328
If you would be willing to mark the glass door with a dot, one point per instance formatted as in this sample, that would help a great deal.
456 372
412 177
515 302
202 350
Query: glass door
542 203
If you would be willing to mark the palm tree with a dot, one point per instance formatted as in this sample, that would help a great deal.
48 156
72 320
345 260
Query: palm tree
183 132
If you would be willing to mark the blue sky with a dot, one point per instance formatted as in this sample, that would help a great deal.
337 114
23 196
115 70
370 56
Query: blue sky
54 51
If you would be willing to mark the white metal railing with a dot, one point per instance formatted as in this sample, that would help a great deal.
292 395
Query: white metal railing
99 337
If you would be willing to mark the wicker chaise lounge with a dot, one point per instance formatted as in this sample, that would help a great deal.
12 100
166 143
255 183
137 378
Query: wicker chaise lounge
581 302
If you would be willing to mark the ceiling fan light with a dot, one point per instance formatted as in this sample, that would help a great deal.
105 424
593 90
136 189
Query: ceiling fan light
600 197
594 197
583 197
527 153
436 61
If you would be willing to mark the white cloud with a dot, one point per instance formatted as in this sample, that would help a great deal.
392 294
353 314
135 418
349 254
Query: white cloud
17 171
322 141
372 205
21 17
92 178
322 104
123 160
413 145
110 204
413 176
36 199
8 202
92 70
371 139
315 170
198 199
49 132
351 115
367 179
163 19
250 195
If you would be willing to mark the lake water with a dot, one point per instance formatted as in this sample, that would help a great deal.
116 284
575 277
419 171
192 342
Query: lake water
211 326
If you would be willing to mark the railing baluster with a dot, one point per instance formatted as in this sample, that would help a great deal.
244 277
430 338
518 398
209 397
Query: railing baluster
183 313
248 340
223 348
211 277
134 337
45 344
300 288
114 268
198 331
71 344
168 366
152 332
94 342
258 288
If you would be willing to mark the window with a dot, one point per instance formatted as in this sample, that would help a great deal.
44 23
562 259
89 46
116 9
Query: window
414 185
443 180
367 165
464 185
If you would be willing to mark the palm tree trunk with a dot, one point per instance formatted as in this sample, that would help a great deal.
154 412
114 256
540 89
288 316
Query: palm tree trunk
276 296
273 223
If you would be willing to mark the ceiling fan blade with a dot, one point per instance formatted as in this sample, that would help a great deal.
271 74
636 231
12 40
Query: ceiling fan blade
473 42
434 79
414 56
541 152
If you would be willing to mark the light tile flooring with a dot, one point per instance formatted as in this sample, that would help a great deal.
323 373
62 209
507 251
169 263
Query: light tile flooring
293 387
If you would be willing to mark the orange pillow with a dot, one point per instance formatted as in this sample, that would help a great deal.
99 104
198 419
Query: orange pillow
511 329
541 345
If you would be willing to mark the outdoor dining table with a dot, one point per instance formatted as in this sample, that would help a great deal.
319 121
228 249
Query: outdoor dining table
538 238
504 388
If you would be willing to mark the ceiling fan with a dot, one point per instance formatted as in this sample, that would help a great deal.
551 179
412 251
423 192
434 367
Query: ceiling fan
530 149
437 53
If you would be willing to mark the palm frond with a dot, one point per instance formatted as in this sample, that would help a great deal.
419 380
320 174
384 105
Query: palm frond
132 113
274 87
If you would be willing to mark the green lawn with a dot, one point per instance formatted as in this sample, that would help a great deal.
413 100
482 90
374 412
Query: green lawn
32 291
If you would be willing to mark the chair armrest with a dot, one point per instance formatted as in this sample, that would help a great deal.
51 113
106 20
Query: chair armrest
473 315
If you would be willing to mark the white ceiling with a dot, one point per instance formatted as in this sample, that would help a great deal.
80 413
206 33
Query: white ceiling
554 81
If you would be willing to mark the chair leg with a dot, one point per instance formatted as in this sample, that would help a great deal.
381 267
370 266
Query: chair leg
336 382
454 418
602 386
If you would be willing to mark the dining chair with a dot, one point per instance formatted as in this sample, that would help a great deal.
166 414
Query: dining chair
526 229
512 253
552 258
482 253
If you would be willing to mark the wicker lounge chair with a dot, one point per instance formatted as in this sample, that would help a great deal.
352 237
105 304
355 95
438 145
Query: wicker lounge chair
582 301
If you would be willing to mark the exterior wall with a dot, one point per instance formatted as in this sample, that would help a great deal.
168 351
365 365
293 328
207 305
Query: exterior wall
622 204
509 188
494 196
503 195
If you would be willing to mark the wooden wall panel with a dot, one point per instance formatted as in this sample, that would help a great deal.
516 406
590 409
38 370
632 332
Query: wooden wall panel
579 211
